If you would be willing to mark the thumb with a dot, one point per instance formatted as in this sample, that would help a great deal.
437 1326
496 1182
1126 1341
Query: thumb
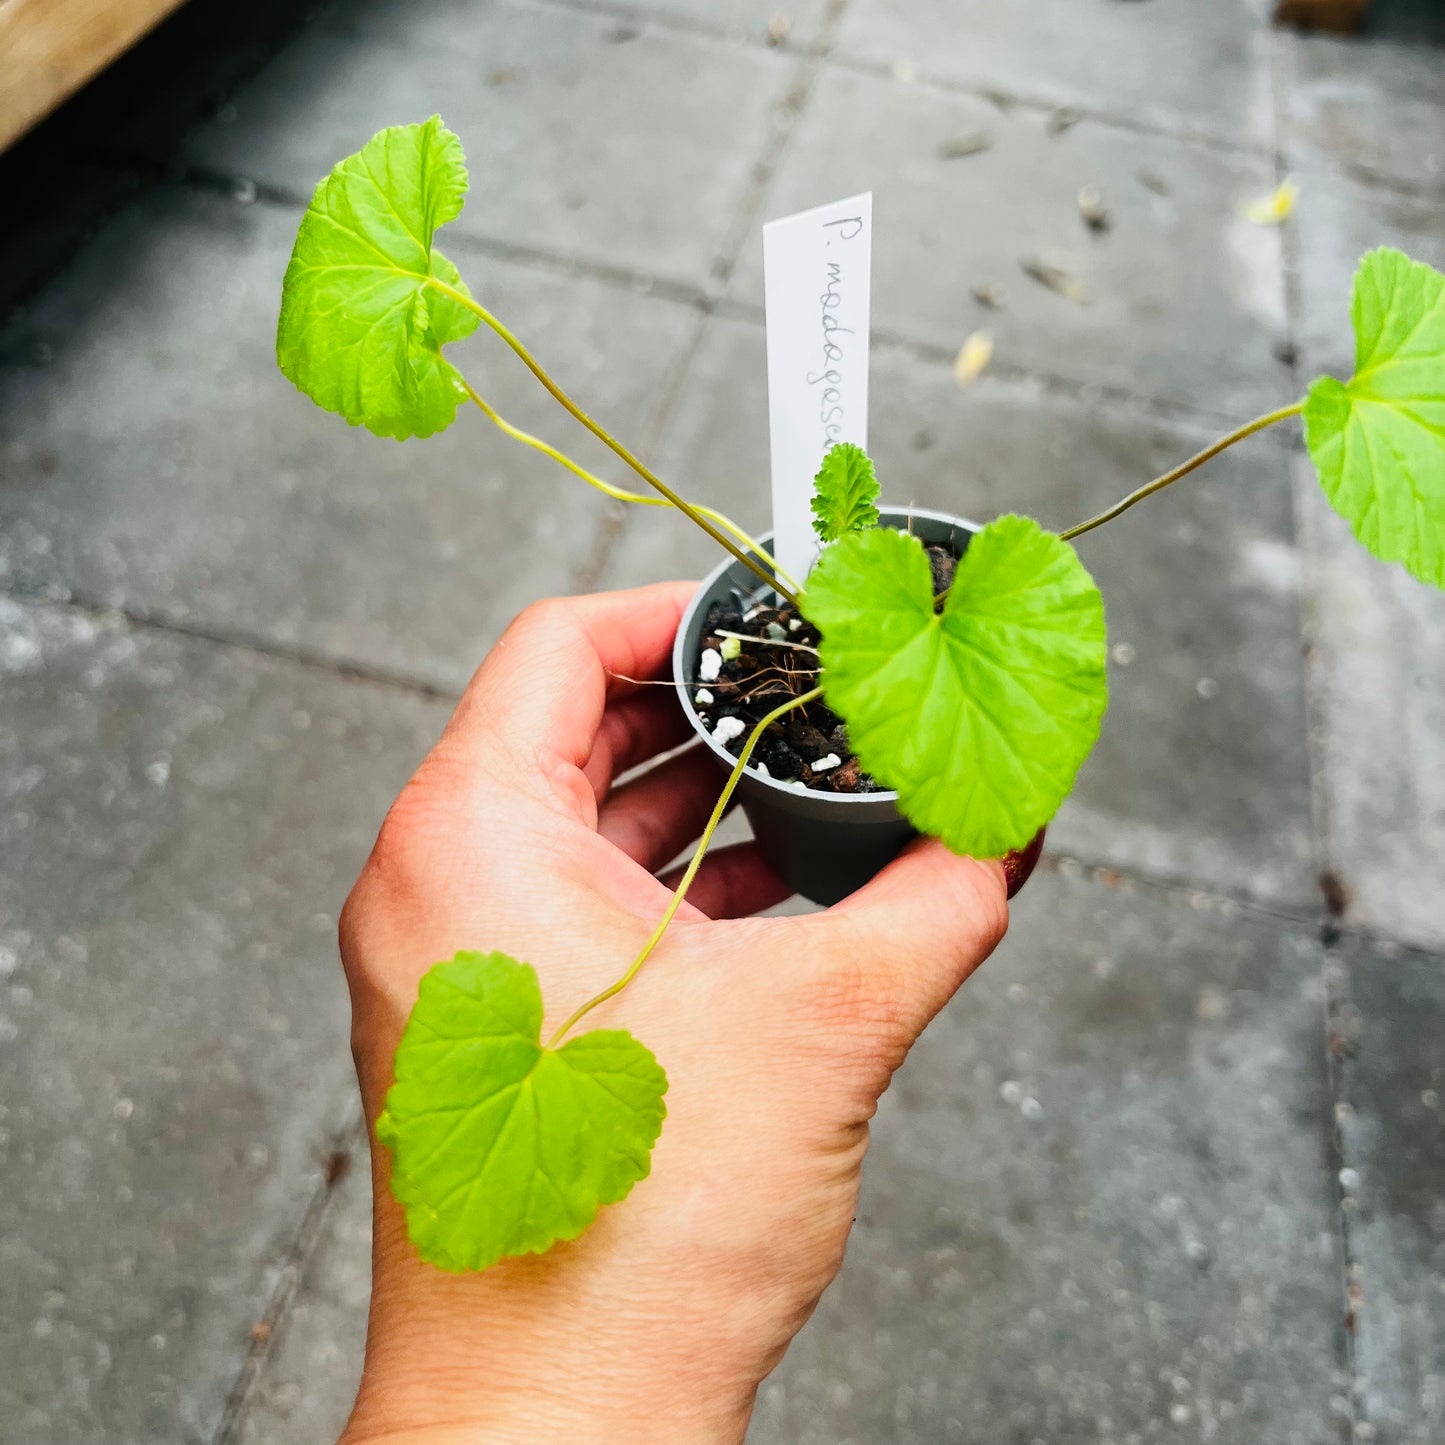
920 927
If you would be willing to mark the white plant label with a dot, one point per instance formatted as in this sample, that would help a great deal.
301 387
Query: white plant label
816 280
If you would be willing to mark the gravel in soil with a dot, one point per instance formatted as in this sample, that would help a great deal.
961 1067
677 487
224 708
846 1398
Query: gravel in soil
753 657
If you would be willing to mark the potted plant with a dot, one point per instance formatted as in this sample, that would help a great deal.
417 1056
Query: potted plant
927 674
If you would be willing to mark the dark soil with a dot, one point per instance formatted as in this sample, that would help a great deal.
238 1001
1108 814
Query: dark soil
777 662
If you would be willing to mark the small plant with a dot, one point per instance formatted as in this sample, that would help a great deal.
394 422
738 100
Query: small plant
977 704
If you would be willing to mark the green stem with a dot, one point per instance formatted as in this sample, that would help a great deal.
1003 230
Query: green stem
602 435
1184 468
620 494
692 867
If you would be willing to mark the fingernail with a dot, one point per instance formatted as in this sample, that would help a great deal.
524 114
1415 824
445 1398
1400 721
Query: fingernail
1018 866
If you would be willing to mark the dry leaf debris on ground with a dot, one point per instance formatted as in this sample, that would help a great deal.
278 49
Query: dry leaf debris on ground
1057 278
1061 119
973 357
1275 208
975 142
1092 210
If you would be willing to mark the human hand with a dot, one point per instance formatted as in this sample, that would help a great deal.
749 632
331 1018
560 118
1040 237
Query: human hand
777 1034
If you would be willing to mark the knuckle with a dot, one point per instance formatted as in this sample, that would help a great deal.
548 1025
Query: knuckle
403 863
396 861
398 888
351 924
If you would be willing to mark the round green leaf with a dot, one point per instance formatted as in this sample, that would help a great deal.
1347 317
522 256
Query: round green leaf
1378 441
361 327
981 715
500 1146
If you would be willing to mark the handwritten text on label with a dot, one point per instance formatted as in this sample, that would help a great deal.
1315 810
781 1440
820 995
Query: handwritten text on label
817 281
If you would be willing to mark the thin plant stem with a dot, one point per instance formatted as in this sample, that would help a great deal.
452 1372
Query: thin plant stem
605 437
1184 468
620 494
699 853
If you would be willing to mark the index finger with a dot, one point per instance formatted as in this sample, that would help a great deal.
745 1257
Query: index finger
548 680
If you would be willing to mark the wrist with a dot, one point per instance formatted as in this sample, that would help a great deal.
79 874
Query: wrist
540 1398
536 1425
537 1350
466 1409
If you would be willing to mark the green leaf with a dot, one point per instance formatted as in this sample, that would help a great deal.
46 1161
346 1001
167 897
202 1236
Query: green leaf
981 715
500 1146
362 326
1378 441
846 488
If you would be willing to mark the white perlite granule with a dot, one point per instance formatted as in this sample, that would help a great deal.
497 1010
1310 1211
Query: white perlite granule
729 728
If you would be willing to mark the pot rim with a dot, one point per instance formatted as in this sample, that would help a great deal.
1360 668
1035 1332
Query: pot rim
685 688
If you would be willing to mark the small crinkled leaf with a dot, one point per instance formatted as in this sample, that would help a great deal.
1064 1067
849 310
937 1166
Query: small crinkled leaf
361 328
981 715
500 1146
1378 441
845 491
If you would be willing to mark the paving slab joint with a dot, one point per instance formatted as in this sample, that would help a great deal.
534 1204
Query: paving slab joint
337 1152
1320 924
1006 99
345 668
1340 1032
788 110
679 24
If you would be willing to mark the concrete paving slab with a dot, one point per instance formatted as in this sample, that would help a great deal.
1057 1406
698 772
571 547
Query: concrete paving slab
154 458
1392 1130
1377 636
307 1385
1201 774
1183 296
1199 69
180 827
611 141
1097 1205
1372 106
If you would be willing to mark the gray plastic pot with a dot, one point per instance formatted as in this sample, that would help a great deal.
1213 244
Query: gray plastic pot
823 845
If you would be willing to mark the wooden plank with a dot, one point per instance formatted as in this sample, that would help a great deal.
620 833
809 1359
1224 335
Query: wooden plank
50 48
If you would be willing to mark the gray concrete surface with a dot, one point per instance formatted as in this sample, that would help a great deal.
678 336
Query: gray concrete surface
229 626
1188 310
